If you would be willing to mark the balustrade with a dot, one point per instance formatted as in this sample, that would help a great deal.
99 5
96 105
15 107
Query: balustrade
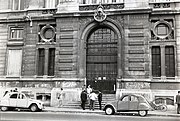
161 1
92 1
100 1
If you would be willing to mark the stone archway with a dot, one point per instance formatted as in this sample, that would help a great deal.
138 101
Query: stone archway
83 61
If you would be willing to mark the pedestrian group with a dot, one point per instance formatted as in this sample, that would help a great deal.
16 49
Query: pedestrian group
89 96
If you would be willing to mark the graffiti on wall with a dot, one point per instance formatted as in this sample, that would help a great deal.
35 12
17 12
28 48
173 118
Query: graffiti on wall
137 85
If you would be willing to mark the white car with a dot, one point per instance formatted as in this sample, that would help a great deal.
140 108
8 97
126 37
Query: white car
20 100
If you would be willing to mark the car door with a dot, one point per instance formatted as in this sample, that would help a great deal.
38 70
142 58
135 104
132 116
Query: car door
22 100
123 103
13 100
133 102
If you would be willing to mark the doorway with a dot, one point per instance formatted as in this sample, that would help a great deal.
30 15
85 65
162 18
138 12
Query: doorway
101 59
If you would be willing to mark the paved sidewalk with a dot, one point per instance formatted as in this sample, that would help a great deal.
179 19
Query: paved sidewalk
73 110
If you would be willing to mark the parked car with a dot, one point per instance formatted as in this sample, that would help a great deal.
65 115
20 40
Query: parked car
14 100
129 102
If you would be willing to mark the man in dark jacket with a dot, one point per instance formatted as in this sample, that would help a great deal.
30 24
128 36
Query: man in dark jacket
100 99
83 99
178 102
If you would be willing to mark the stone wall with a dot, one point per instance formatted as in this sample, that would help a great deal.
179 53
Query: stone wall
3 47
177 23
136 49
67 40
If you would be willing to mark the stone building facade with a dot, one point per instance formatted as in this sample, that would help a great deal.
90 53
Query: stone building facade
117 46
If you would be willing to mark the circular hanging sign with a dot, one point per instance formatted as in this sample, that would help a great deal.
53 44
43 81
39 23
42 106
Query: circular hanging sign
99 15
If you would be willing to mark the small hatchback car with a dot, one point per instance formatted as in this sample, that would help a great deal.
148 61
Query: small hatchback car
14 100
129 102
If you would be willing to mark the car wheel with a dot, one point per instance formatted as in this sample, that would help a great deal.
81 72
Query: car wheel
109 110
4 108
143 113
33 107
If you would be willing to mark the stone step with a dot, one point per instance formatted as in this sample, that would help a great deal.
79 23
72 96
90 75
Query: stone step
105 98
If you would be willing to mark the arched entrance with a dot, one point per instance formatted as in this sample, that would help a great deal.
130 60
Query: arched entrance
101 59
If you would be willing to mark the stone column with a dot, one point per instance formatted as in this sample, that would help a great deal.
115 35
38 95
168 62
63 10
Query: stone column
46 61
177 23
163 66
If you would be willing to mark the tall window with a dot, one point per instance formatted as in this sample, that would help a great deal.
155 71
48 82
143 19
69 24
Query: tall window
156 62
51 62
170 61
17 4
14 63
163 55
41 61
46 61
50 3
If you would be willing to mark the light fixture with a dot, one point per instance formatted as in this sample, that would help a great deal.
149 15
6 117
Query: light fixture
28 18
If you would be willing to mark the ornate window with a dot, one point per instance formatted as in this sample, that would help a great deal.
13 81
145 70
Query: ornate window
162 29
16 33
47 33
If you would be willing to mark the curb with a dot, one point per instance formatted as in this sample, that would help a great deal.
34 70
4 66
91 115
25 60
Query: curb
166 115
102 112
83 111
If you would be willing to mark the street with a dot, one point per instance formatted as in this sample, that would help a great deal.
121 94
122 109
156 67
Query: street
60 116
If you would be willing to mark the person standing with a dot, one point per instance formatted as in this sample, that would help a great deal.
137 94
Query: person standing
89 90
83 99
93 98
178 102
100 99
15 90
60 98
